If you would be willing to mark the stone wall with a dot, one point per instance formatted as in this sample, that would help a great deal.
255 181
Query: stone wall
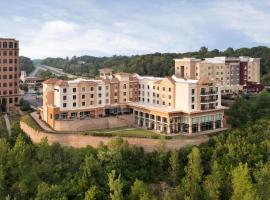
78 141
91 124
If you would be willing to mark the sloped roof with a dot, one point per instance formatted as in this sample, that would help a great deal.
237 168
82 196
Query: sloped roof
51 81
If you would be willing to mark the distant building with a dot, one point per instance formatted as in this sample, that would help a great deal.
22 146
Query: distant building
31 81
10 74
235 74
167 105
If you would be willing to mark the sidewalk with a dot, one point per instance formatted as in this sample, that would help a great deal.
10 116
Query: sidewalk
8 124
43 125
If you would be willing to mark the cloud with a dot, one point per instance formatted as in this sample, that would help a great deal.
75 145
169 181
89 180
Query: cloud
64 38
103 28
246 18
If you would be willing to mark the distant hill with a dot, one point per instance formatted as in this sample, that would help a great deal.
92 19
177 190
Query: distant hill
26 64
157 64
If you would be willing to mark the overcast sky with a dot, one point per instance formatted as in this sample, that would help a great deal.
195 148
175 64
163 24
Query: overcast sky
113 27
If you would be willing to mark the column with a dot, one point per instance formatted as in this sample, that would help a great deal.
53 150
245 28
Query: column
161 124
144 120
199 124
169 128
155 122
222 120
190 124
139 119
214 119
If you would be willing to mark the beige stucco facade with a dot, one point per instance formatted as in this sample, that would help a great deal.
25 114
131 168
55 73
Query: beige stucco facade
229 71
168 105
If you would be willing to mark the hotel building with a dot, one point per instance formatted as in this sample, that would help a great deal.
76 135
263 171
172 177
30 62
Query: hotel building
167 105
9 74
234 74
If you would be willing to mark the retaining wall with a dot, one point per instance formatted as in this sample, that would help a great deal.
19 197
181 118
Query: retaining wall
78 141
88 124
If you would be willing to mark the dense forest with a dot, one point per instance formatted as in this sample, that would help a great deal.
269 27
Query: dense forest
232 165
158 64
26 64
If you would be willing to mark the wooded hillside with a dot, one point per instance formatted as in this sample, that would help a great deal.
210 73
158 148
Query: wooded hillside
157 64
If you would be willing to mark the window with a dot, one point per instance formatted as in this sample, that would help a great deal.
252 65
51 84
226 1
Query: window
163 88
124 93
91 102
192 107
74 104
192 99
99 95
64 90
91 95
170 89
74 97
83 103
74 89
64 97
91 88
83 89
192 91
170 96
124 86
83 96
99 102
99 88
64 105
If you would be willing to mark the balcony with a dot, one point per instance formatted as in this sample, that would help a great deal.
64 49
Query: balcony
208 93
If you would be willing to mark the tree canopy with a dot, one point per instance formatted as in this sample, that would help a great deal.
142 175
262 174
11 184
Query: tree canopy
157 64
231 165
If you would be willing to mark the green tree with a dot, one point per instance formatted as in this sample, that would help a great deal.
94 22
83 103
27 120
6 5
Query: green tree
91 194
47 192
116 186
139 190
242 184
203 52
212 183
191 182
262 177
174 169
23 87
26 64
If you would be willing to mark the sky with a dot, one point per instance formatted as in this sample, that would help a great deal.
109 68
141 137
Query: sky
60 28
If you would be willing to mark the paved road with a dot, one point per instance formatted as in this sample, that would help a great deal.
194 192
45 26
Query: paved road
36 70
56 71
8 124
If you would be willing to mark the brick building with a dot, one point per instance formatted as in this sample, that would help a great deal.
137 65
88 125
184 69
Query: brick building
9 74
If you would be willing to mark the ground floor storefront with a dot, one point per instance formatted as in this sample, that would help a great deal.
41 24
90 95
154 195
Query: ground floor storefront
166 122
174 123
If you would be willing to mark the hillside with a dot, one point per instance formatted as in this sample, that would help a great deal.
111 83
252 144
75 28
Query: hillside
233 165
26 64
157 64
